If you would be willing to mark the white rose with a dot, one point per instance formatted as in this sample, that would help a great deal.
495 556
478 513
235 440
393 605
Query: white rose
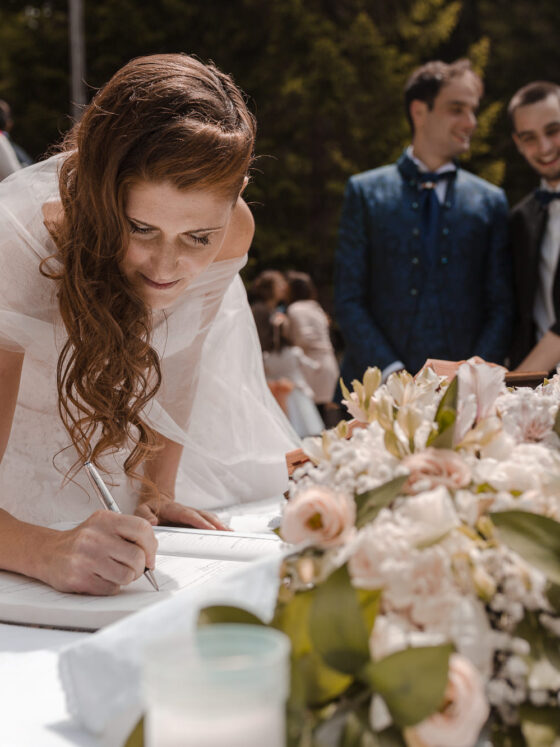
430 516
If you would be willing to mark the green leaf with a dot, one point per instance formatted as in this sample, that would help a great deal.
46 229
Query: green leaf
536 538
446 414
544 644
411 682
540 726
136 737
226 614
337 626
369 602
312 681
292 618
370 504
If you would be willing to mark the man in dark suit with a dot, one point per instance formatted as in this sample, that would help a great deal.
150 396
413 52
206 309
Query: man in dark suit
422 269
535 230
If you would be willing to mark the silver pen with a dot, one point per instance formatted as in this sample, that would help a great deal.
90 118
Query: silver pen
110 503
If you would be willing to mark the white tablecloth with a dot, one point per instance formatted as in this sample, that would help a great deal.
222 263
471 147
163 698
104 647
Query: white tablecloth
33 709
32 705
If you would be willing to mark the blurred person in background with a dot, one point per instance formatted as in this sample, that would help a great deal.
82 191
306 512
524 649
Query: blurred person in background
6 124
287 368
308 327
534 113
422 269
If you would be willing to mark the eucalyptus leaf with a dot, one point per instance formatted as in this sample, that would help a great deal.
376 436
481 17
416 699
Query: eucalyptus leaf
446 414
411 682
540 726
369 504
337 626
536 538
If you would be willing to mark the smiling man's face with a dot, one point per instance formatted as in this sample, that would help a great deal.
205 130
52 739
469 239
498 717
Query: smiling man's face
537 136
444 131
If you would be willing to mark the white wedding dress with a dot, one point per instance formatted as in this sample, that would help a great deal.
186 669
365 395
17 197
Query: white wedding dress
214 399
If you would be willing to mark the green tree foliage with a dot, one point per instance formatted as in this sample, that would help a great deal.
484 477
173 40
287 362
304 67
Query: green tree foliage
324 77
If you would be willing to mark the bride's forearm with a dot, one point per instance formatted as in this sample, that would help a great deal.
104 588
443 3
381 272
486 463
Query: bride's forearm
23 546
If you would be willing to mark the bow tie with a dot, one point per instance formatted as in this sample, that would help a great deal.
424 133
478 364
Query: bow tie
429 179
545 197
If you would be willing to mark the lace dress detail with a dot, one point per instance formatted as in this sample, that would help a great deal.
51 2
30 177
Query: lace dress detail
213 400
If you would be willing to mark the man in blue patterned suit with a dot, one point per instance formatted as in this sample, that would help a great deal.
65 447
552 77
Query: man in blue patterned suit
422 269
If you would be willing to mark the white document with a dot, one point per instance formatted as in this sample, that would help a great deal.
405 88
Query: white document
186 557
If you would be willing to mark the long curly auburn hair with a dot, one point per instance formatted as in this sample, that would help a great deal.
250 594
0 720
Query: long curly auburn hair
162 118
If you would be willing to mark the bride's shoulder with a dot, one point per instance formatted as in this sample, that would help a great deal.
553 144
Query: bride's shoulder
240 232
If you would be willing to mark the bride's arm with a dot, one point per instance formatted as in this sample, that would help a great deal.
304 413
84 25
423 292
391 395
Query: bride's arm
162 470
97 557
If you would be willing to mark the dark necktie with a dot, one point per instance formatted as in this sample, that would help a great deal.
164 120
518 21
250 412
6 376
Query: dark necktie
545 197
431 212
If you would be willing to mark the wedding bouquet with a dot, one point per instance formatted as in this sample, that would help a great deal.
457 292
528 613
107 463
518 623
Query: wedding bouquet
422 598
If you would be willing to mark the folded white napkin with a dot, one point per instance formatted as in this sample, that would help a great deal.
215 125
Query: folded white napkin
101 674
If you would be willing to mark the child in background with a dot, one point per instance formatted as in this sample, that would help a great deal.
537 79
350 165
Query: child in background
288 363
308 328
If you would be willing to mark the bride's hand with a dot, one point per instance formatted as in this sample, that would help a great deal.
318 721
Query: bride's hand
164 510
103 553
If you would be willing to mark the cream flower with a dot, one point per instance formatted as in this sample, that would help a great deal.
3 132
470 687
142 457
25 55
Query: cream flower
319 515
527 415
479 386
433 467
463 715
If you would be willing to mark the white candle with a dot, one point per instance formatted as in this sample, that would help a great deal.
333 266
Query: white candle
225 688
263 725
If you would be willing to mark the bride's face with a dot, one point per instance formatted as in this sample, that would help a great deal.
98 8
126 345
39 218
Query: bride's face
174 236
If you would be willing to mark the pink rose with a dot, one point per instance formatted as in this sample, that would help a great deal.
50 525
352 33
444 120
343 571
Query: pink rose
319 515
433 467
463 715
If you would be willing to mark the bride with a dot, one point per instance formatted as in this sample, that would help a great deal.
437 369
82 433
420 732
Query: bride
125 333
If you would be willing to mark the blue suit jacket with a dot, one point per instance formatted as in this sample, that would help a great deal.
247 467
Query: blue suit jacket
381 270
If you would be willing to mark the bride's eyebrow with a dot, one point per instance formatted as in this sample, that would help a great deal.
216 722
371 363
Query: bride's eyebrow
204 230
191 230
139 222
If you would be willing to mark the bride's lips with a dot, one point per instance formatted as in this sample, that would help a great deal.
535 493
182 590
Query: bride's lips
158 286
